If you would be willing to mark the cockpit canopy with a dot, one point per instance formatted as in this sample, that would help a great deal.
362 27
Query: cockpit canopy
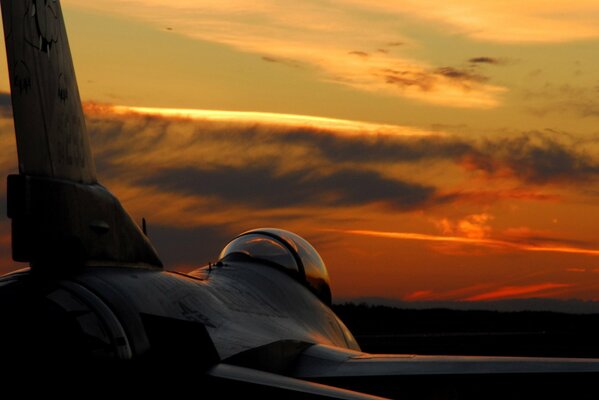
286 250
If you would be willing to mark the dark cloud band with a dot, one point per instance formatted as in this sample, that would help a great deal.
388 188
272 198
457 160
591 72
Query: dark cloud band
267 187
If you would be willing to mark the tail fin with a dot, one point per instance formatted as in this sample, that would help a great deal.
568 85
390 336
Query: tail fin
52 140
60 214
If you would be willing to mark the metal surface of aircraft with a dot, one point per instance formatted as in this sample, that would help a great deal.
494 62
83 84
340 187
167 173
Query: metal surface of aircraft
96 292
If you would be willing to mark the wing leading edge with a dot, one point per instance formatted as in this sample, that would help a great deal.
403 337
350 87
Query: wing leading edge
411 376
271 385
321 361
420 377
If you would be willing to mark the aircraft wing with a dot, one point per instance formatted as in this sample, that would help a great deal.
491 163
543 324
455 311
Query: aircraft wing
234 379
422 377
322 361
321 371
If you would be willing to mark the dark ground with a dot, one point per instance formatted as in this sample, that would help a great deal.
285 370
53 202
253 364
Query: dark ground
382 329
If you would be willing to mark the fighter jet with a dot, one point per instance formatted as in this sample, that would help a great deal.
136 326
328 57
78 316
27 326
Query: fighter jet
96 296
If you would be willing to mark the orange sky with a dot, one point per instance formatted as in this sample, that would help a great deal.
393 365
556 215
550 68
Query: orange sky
428 152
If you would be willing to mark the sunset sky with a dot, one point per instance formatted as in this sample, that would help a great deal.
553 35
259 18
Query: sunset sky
429 150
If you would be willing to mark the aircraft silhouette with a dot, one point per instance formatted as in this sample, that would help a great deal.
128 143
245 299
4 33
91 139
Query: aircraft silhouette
96 295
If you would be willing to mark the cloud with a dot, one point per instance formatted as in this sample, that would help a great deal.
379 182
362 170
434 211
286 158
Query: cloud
535 158
531 157
487 292
427 81
244 163
485 60
127 142
265 186
462 75
229 168
473 226
5 105
457 85
8 155
186 248
486 196
383 149
331 125
5 101
243 170
200 180
503 21
528 236
510 292
580 101
336 141
359 53
316 34
504 244
216 137
419 295
289 63
448 294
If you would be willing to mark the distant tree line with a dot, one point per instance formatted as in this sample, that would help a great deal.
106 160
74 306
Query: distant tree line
444 331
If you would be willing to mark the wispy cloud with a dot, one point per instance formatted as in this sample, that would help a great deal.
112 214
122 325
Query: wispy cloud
474 241
209 168
535 158
485 60
201 177
486 196
454 294
507 21
290 63
473 226
264 186
237 158
419 295
7 138
321 35
328 161
5 103
465 76
332 125
491 292
569 99
510 292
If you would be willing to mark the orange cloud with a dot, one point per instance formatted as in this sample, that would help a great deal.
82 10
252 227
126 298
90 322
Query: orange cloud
474 241
419 295
518 292
474 226
162 207
448 295
328 125
337 42
488 196
535 158
506 21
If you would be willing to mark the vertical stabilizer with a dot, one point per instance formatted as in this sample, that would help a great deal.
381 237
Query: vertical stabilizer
61 216
52 140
